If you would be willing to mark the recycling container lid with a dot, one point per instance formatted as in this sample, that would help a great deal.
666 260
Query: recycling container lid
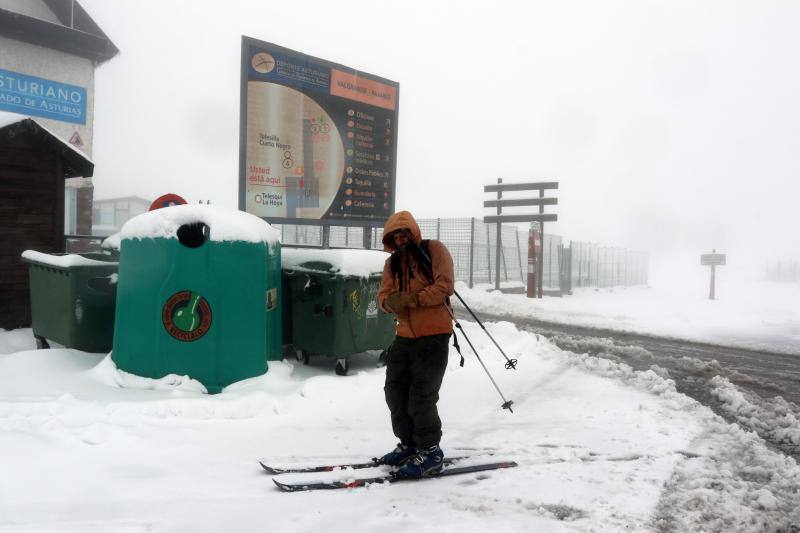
223 224
355 263
68 261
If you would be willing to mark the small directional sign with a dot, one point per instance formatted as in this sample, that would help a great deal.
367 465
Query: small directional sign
712 259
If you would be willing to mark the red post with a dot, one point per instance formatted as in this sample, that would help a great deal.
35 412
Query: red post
534 247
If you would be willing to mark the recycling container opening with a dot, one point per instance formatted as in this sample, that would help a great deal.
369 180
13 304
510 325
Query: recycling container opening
193 235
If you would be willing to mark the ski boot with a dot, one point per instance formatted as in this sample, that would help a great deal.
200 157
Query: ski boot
399 456
426 462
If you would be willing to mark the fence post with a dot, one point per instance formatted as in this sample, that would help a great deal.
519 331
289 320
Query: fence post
367 237
550 262
498 242
601 282
503 257
438 229
569 270
326 236
488 253
519 257
627 269
471 248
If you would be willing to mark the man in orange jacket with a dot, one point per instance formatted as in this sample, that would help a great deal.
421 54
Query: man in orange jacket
416 285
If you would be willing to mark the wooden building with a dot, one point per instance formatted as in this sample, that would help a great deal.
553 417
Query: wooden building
33 166
49 51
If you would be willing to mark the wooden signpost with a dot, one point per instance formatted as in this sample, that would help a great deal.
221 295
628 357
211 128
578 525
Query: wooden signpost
498 219
713 260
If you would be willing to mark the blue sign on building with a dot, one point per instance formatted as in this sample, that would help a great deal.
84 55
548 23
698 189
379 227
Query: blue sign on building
29 95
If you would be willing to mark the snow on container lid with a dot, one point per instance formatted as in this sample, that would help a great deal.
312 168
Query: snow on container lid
111 243
357 263
66 261
224 224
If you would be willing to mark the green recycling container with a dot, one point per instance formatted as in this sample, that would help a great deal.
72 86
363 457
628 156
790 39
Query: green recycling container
336 314
198 295
72 299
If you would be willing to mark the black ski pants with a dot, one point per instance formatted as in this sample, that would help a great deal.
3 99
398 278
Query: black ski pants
414 372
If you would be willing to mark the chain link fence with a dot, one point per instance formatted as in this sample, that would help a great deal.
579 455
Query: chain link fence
473 243
473 246
601 266
783 271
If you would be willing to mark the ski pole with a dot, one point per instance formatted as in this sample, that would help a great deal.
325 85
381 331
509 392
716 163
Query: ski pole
510 363
506 403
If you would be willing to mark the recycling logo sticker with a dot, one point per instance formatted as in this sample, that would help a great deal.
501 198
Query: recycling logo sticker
186 316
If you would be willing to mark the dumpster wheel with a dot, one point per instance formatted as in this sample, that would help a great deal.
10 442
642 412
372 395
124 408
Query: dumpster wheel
342 366
41 343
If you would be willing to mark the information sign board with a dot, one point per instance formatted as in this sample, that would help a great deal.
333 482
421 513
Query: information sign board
318 139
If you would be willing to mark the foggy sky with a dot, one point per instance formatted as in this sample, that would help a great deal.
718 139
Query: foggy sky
673 127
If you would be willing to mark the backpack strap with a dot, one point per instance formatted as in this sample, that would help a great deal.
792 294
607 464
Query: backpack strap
424 260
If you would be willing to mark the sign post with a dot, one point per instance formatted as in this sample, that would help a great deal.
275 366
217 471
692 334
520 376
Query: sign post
541 218
713 259
534 252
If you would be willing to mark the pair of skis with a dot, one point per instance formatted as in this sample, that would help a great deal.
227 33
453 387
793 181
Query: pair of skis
450 468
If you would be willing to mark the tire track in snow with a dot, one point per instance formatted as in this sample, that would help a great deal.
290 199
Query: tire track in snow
735 482
758 391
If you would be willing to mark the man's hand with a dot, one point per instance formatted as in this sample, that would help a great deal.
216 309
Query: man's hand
399 301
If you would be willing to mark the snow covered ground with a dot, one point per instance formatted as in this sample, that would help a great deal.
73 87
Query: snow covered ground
599 446
747 314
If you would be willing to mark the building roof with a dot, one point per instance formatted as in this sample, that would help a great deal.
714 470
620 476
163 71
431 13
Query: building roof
76 164
121 198
76 34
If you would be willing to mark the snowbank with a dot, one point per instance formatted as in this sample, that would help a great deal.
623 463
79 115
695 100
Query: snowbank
225 224
600 447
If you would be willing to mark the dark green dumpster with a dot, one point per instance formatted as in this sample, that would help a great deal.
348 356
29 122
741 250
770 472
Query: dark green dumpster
334 308
198 295
72 299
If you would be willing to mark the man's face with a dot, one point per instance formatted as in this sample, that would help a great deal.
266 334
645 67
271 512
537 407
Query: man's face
401 239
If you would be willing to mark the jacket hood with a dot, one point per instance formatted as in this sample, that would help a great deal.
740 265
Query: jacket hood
400 220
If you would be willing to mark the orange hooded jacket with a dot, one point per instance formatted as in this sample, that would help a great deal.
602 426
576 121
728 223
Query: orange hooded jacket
431 316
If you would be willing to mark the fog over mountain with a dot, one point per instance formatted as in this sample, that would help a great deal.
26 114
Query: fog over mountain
672 127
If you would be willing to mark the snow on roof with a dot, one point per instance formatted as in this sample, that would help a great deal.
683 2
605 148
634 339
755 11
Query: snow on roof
62 261
6 119
64 142
224 224
359 263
